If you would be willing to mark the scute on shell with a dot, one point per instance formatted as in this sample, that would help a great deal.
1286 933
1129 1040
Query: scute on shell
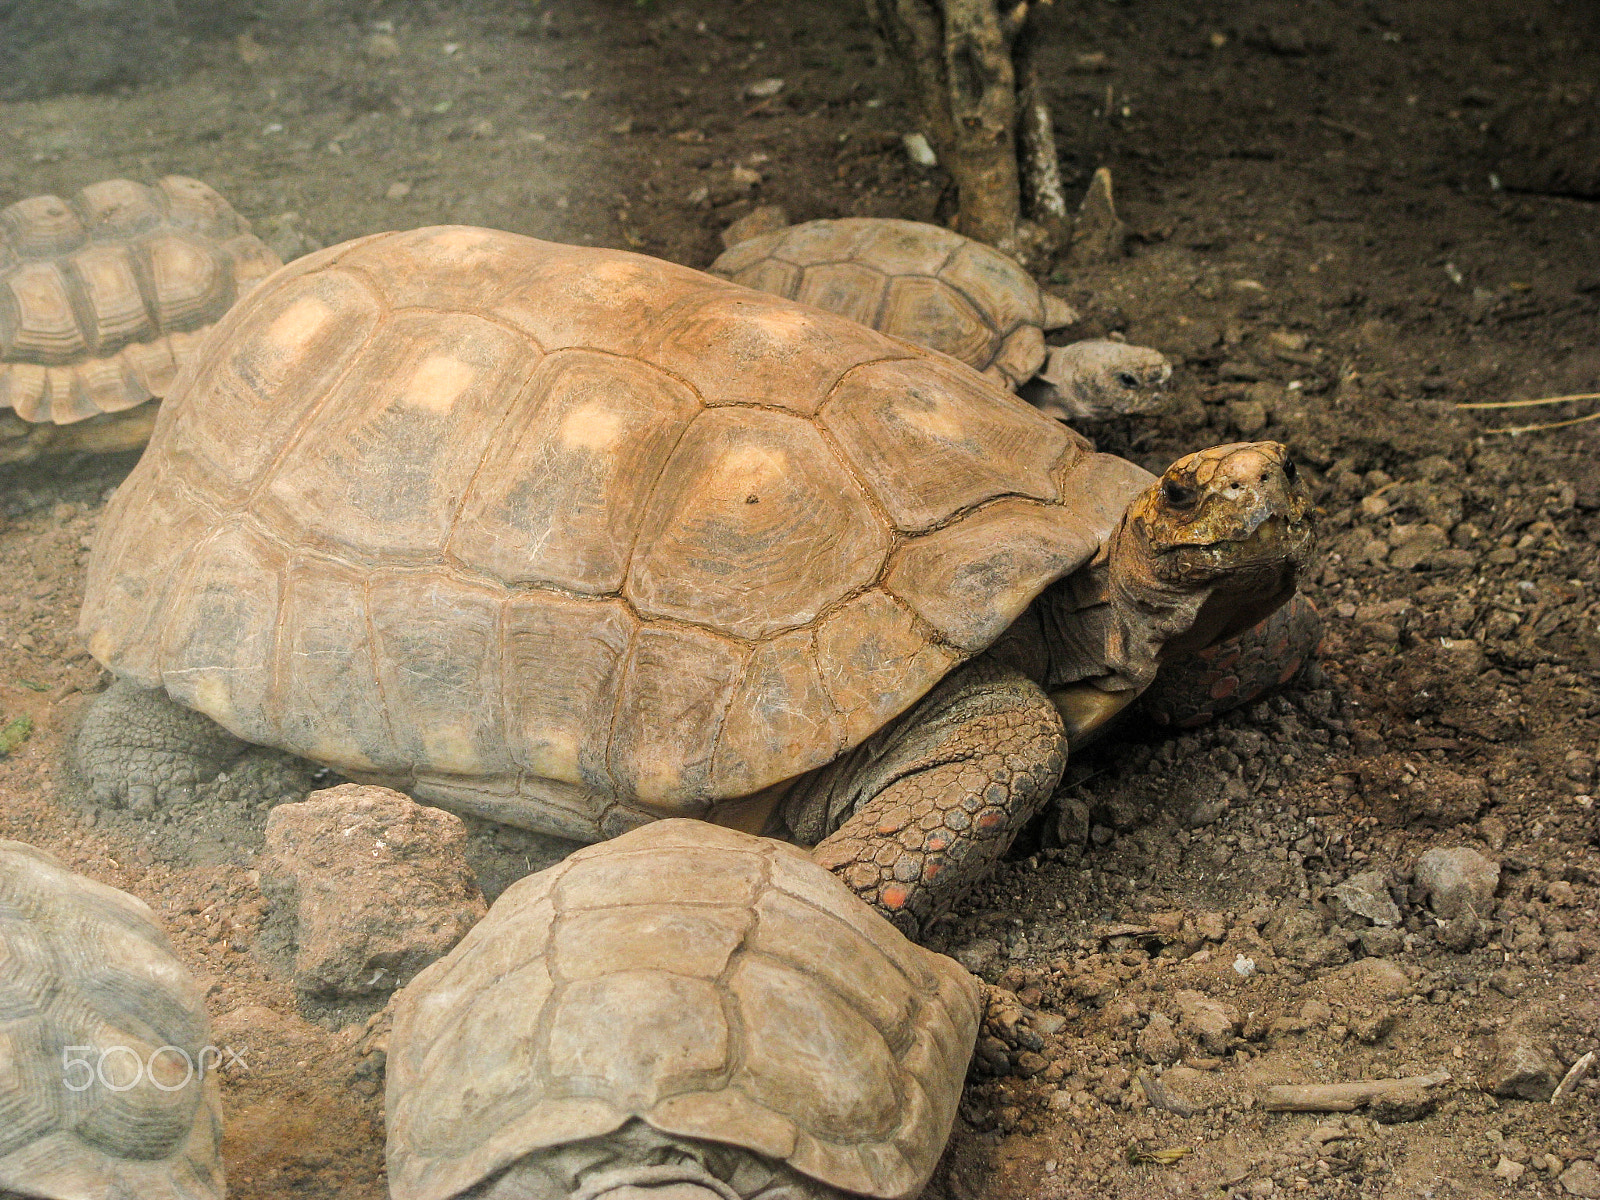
103 295
87 974
710 983
646 536
921 282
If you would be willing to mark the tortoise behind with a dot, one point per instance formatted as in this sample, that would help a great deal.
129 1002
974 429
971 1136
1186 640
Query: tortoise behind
947 292
103 297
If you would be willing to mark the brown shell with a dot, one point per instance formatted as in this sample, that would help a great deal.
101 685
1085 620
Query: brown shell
712 984
89 986
571 537
920 282
103 296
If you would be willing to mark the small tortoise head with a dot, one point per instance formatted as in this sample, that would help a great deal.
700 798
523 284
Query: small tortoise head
1234 522
1094 380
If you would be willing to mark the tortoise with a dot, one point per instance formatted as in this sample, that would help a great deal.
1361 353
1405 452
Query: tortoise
103 296
939 289
106 1089
684 1012
574 539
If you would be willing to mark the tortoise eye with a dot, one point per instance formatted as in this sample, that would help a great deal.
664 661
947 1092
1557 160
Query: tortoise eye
1176 494
1127 379
1290 471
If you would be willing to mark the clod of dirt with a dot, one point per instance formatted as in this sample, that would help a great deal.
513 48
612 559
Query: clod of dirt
1457 882
1211 1022
1157 1042
370 885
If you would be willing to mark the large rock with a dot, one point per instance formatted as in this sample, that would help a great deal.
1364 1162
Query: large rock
371 885
1457 882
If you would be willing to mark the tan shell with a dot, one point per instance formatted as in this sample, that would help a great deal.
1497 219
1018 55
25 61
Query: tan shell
88 977
573 538
712 984
104 296
920 282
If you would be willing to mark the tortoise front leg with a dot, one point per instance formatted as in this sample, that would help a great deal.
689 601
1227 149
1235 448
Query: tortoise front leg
931 804
1235 671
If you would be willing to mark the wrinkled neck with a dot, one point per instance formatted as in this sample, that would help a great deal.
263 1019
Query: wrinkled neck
1111 626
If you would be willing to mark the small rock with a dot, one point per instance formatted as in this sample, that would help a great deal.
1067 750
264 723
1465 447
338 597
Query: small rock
1582 1178
1211 1022
744 177
1379 942
1157 1042
398 190
763 88
1207 811
763 219
1375 1026
1565 947
919 151
1367 895
1508 1170
1523 1065
1098 234
370 886
980 956
1213 926
1457 881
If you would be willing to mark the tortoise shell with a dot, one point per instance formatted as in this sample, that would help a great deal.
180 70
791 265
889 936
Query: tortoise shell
712 984
104 1090
573 538
921 282
103 296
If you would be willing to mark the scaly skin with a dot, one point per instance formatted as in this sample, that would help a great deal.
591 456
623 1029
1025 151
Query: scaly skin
1233 672
138 747
944 798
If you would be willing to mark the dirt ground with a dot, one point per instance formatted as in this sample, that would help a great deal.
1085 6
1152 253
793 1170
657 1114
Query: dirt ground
1332 234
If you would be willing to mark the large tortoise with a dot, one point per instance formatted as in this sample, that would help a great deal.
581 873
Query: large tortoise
103 296
682 1013
574 539
934 287
107 1088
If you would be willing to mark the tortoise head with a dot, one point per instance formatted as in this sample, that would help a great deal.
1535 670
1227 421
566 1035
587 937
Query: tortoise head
1233 522
1096 380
